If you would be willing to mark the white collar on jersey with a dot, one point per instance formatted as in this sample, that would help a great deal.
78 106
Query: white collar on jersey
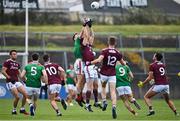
110 47
47 63
35 62
12 60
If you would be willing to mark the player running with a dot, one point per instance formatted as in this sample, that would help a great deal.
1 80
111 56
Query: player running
33 73
157 71
109 56
124 77
56 77
11 70
71 84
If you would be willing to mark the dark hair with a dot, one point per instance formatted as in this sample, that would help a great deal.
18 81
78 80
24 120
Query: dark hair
10 52
127 63
46 57
158 56
35 56
74 36
112 40
87 21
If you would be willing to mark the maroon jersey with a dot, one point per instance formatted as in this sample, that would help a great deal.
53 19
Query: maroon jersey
87 54
12 70
158 69
52 72
111 56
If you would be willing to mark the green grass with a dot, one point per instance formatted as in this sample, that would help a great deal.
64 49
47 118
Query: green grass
70 49
45 112
123 29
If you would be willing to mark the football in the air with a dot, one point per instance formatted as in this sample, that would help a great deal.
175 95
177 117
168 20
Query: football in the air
95 5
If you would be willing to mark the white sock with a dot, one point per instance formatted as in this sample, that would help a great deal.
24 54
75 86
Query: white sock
22 108
104 100
113 106
87 104
14 109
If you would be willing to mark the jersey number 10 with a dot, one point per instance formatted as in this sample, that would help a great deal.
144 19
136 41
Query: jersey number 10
51 70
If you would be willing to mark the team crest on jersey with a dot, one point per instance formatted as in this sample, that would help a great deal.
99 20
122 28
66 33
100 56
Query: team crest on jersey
112 51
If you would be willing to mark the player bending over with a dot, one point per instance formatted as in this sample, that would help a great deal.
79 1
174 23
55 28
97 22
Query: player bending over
33 73
109 56
157 71
11 70
124 76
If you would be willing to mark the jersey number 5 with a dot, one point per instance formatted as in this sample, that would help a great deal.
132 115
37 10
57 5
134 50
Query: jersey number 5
33 71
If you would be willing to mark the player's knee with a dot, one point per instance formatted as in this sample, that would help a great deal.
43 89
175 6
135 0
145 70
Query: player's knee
145 97
103 84
25 95
95 86
17 98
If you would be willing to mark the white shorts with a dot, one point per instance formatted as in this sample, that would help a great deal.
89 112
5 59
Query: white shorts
78 66
108 78
71 87
32 91
161 88
54 88
10 85
90 73
124 90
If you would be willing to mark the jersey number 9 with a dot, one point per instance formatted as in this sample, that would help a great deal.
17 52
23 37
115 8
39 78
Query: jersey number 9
122 71
162 71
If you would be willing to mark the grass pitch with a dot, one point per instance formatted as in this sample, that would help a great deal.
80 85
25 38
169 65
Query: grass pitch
125 30
45 112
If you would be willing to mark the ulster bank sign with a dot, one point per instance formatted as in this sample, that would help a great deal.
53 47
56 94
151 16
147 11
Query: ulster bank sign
19 4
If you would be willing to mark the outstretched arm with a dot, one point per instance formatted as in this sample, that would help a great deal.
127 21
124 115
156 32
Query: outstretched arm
98 60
